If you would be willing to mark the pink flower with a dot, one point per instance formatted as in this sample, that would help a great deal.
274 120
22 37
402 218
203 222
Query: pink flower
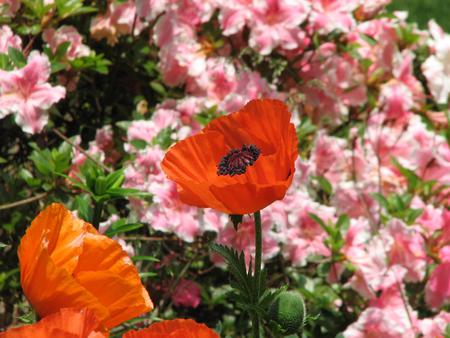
396 100
386 317
66 34
8 39
275 23
150 9
407 250
27 93
328 158
354 199
332 83
142 130
250 85
435 327
118 21
436 68
187 294
216 82
303 236
383 52
9 7
329 15
234 15
243 239
437 289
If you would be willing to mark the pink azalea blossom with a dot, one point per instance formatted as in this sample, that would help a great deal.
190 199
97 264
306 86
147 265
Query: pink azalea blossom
243 239
407 250
396 100
119 20
435 327
332 83
27 93
66 34
303 236
186 293
218 80
275 23
9 7
234 15
328 158
386 317
250 85
329 15
8 39
437 289
436 68
381 54
150 9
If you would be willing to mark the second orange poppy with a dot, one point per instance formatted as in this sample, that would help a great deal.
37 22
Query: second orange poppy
65 262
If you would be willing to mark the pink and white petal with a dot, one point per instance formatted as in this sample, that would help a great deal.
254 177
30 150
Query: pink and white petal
44 95
31 119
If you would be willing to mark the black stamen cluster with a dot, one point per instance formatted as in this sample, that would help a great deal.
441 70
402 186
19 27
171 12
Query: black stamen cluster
237 160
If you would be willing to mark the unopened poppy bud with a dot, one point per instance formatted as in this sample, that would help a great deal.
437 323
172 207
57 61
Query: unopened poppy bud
288 311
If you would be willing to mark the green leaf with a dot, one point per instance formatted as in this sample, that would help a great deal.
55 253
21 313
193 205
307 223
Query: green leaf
324 184
17 57
381 200
236 266
4 62
371 41
115 179
83 206
139 144
122 228
144 275
411 177
158 87
145 258
62 49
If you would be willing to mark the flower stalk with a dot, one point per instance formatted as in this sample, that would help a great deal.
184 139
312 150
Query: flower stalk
257 275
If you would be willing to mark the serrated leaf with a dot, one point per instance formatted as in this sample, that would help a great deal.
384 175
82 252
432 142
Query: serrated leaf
236 266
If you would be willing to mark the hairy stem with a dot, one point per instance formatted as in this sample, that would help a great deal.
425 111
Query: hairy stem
257 275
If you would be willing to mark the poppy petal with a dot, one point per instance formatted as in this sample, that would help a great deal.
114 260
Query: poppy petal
59 255
192 163
177 328
66 323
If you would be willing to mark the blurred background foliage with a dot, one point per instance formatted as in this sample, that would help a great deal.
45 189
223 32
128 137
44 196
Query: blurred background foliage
421 11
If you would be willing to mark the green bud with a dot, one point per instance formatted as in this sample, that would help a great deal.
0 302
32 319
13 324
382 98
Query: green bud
288 311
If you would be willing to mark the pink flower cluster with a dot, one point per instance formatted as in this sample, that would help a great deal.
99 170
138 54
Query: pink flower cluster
366 75
374 106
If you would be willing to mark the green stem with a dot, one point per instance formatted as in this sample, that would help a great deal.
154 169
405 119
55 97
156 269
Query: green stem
98 208
257 275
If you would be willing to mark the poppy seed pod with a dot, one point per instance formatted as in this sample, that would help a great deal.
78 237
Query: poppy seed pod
288 311
239 163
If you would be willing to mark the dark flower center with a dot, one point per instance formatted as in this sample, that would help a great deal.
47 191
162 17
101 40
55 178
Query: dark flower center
237 160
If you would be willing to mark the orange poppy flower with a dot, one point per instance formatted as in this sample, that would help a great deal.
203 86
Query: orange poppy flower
239 163
66 323
177 328
65 262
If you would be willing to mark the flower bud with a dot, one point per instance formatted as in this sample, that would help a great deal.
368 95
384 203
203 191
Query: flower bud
288 311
